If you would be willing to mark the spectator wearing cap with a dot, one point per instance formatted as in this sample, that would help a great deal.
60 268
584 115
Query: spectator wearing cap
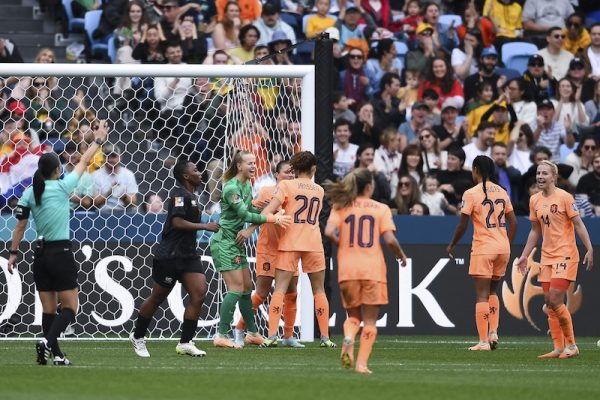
464 58
385 62
409 129
270 22
486 73
420 58
482 144
539 82
520 97
9 53
577 37
472 20
549 132
347 24
440 77
502 115
279 41
578 73
555 58
248 36
506 15
320 21
539 16
250 10
592 53
115 186
444 36
449 132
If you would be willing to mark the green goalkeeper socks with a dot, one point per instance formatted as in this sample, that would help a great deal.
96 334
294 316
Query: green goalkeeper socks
247 311
227 310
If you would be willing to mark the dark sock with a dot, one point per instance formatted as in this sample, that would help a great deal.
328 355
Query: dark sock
188 330
47 320
60 323
141 326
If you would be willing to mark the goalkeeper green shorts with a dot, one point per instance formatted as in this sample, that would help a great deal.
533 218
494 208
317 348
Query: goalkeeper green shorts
227 256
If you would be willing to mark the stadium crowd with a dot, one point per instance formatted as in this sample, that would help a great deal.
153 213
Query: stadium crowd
422 89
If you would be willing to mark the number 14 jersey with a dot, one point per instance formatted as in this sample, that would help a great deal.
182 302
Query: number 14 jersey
301 199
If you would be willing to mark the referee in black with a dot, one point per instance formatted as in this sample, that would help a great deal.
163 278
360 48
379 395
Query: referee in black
177 259
54 268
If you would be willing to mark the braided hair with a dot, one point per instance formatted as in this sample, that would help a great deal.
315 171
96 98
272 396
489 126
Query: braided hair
486 168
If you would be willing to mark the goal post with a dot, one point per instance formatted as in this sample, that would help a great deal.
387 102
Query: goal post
114 246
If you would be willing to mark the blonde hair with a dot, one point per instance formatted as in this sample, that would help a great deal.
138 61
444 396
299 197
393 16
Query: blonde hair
344 192
232 170
550 164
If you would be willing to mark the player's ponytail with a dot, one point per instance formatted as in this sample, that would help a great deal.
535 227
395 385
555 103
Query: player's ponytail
344 192
485 166
47 164
232 170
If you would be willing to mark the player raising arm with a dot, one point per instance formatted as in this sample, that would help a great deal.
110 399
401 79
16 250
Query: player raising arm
229 257
554 215
355 226
490 208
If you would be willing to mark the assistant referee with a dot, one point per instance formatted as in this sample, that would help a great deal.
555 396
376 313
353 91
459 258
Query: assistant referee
54 269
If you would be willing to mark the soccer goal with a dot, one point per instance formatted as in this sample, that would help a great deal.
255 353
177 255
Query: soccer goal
157 114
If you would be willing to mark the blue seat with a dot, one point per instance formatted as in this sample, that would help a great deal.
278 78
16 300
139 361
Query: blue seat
98 48
73 24
515 55
112 50
401 49
304 52
448 18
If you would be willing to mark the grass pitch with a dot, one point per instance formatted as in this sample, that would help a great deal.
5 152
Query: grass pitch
404 368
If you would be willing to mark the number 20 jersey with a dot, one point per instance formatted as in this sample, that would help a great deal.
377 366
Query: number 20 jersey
489 218
301 199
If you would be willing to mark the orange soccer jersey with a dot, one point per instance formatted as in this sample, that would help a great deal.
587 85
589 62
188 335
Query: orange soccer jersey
489 218
555 213
268 238
360 226
302 199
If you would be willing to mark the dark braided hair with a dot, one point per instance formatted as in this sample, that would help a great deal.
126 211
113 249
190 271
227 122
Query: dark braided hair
47 164
486 168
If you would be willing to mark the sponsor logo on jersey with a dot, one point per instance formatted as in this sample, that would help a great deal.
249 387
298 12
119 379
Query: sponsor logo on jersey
179 201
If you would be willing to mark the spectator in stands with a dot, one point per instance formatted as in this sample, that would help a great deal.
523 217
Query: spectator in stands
519 146
440 77
387 158
582 158
80 7
420 58
569 106
279 41
502 115
347 24
473 21
592 53
589 184
464 57
549 132
413 17
455 180
408 194
592 108
320 21
433 198
409 129
481 145
508 177
344 152
45 56
127 36
412 163
386 62
539 16
115 186
433 157
450 132
444 37
270 22
172 15
9 53
250 10
419 209
487 72
480 104
150 49
539 81
409 94
82 198
506 15
194 47
386 103
530 188
341 107
353 80
249 36
520 98
433 115
577 37
365 129
578 75
46 111
365 154
153 204
226 32
556 59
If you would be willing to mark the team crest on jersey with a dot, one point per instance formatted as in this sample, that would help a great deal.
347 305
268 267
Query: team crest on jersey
237 260
179 201
554 208
267 266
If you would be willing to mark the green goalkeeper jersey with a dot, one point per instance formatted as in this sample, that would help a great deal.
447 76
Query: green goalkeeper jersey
236 210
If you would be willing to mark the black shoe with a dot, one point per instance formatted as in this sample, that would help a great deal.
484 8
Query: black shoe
62 360
43 352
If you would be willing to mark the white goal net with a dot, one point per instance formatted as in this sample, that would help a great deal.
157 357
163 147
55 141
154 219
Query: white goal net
157 114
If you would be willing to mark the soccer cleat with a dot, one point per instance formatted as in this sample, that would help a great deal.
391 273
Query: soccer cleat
225 341
493 340
270 342
238 337
254 338
43 352
325 342
189 349
61 360
569 352
481 347
553 354
139 346
291 342
347 356
362 369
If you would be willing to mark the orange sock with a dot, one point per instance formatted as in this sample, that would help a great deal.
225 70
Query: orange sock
367 339
322 313
494 311
566 324
351 327
275 310
289 314
482 312
557 334
256 301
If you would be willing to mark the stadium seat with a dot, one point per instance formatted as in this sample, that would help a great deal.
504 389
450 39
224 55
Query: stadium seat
210 45
292 20
594 16
304 52
98 48
112 50
516 54
402 49
448 18
73 24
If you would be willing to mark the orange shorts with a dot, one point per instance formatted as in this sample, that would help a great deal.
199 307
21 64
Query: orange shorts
488 265
265 264
358 292
566 271
312 261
